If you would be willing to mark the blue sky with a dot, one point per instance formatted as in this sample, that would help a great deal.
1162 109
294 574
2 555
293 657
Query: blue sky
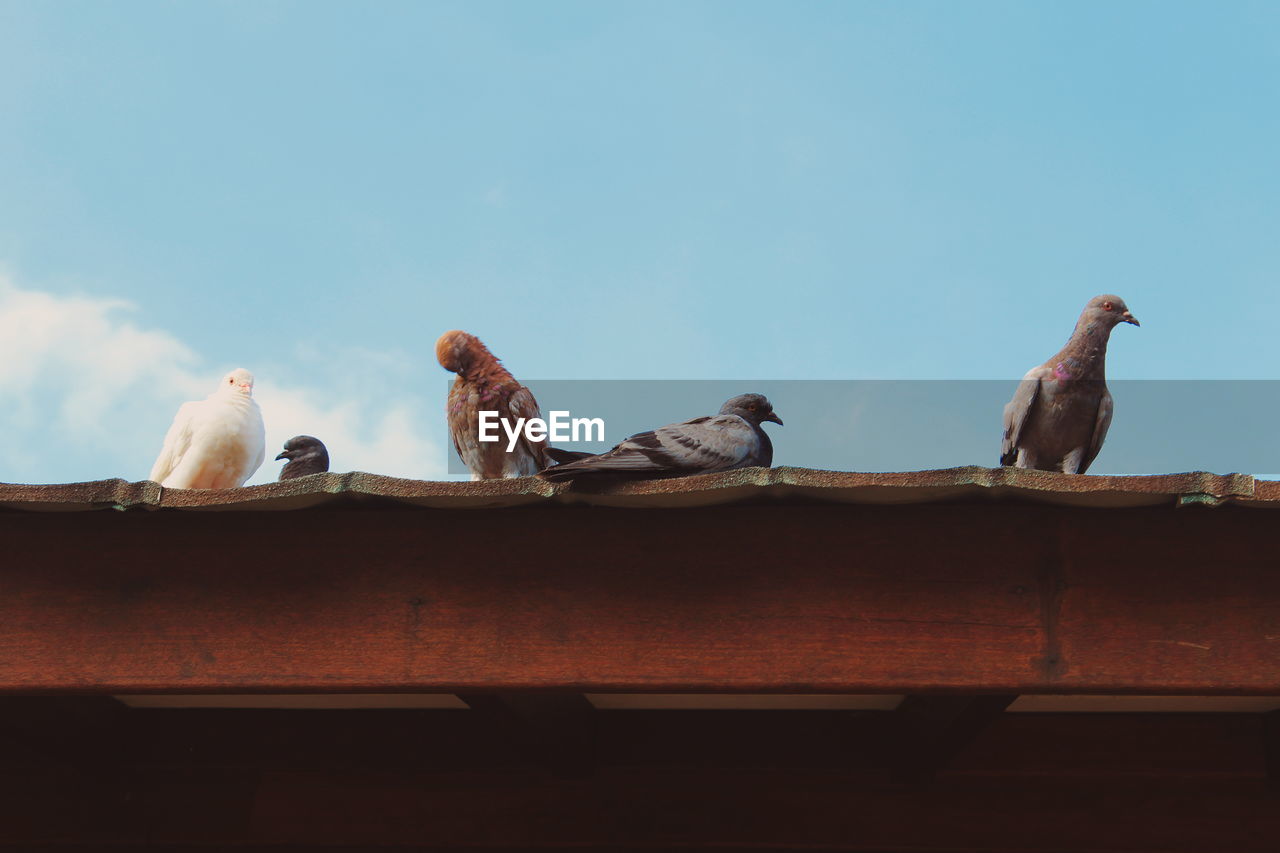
611 190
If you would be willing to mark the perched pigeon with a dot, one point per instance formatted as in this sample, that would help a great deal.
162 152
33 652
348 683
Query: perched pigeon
1058 417
732 439
483 384
215 443
306 455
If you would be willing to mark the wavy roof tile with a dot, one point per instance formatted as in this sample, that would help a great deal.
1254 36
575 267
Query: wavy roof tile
756 485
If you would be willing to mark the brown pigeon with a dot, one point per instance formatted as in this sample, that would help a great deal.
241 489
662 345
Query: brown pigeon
483 384
733 438
1058 417
306 455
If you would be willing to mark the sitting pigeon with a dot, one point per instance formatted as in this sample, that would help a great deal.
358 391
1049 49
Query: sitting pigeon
732 439
306 455
483 384
215 443
1058 417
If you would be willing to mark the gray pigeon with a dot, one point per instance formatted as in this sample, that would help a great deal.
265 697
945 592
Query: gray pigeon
1058 417
733 438
306 455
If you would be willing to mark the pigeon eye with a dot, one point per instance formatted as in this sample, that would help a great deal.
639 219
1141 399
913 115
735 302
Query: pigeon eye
1107 306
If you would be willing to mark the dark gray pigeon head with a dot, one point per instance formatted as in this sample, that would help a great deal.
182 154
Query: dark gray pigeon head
1109 310
306 455
753 408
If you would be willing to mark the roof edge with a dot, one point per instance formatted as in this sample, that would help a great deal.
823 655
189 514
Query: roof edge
746 484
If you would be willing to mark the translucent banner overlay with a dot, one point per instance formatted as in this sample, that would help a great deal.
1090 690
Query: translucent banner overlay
1159 426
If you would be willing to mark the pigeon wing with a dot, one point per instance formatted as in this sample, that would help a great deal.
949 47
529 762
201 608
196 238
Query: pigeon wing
177 441
562 456
463 418
527 457
255 442
490 460
1018 411
1100 427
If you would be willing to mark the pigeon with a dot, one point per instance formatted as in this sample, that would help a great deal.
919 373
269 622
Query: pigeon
483 384
215 443
734 438
1058 417
306 455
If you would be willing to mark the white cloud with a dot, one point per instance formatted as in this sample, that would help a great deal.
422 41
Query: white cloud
88 394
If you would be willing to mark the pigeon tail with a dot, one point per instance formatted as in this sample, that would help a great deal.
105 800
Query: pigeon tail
563 457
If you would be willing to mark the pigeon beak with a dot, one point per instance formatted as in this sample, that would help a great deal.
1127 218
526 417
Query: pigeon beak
284 454
772 417
1129 318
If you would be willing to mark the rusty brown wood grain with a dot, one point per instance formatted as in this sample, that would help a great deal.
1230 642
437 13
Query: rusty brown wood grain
992 598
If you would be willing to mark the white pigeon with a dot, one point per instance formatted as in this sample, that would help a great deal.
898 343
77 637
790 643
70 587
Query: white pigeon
214 443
